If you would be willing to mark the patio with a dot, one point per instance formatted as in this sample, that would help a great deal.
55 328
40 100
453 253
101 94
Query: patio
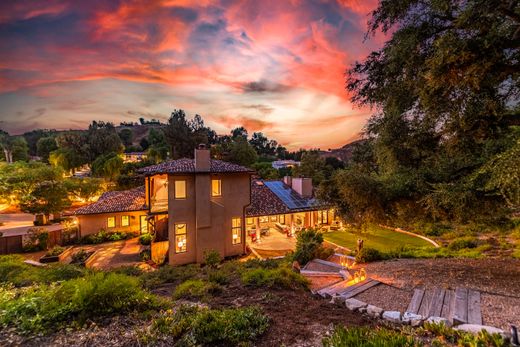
274 244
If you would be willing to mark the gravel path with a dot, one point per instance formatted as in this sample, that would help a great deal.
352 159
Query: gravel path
497 279
387 297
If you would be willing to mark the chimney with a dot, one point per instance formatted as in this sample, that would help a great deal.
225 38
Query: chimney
287 180
202 161
302 186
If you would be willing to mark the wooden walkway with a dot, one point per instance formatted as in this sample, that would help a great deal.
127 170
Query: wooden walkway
459 306
346 290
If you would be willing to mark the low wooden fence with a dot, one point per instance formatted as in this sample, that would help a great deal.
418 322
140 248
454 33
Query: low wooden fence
14 244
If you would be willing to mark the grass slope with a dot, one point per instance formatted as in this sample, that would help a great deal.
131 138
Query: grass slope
376 237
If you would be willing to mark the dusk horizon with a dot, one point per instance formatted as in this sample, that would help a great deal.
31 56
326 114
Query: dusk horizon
277 68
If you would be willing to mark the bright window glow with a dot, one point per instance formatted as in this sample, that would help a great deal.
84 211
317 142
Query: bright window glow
180 189
236 230
125 221
111 222
249 221
216 187
180 238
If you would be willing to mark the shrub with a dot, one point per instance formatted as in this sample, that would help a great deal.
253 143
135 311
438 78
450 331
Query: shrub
219 276
145 239
366 337
37 239
145 255
212 258
262 263
279 278
80 256
104 236
308 246
463 242
41 308
461 338
128 270
193 326
367 254
195 289
169 274
56 250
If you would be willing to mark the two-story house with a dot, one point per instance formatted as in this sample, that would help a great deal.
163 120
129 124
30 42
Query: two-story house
200 204
197 205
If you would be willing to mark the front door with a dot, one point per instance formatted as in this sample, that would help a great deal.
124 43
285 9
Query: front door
143 224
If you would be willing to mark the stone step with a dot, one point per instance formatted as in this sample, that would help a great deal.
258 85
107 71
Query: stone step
323 266
358 288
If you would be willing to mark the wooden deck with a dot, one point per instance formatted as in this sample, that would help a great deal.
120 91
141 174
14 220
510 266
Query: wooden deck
458 306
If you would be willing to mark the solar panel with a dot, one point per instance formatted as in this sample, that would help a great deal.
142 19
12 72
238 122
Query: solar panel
289 197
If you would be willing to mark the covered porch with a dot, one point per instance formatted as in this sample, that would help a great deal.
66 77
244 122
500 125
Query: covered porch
275 235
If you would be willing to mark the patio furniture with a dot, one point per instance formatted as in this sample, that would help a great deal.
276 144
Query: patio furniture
282 227
264 231
334 226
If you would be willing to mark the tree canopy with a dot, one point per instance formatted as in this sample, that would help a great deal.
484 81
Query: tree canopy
445 90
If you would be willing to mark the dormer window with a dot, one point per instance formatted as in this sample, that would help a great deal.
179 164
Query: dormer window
216 187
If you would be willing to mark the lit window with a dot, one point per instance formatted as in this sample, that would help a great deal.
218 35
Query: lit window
216 187
264 219
274 218
250 221
125 221
281 218
236 230
180 238
180 189
323 217
111 222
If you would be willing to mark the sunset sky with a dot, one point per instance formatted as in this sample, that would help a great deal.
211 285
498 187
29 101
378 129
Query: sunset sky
272 66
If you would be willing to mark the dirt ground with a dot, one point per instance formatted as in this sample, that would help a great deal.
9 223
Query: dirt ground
297 319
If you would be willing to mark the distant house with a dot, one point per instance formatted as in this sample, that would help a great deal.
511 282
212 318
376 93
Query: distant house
194 205
133 157
282 164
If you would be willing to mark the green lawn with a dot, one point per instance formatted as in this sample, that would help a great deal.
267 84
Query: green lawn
376 237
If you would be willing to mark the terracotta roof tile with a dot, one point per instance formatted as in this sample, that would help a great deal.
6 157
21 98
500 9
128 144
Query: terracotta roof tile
116 201
181 166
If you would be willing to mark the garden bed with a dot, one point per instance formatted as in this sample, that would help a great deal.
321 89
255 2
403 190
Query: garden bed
84 259
51 258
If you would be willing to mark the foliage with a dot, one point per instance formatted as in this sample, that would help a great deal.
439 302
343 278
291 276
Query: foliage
80 256
309 246
14 271
241 153
84 188
102 139
145 255
127 136
313 166
442 144
36 240
45 146
463 242
461 338
212 258
282 277
19 180
265 170
107 165
56 250
368 337
145 239
42 308
46 198
183 135
192 326
169 274
367 254
106 236
195 289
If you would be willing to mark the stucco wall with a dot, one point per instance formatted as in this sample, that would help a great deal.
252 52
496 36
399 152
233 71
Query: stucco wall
91 224
208 219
